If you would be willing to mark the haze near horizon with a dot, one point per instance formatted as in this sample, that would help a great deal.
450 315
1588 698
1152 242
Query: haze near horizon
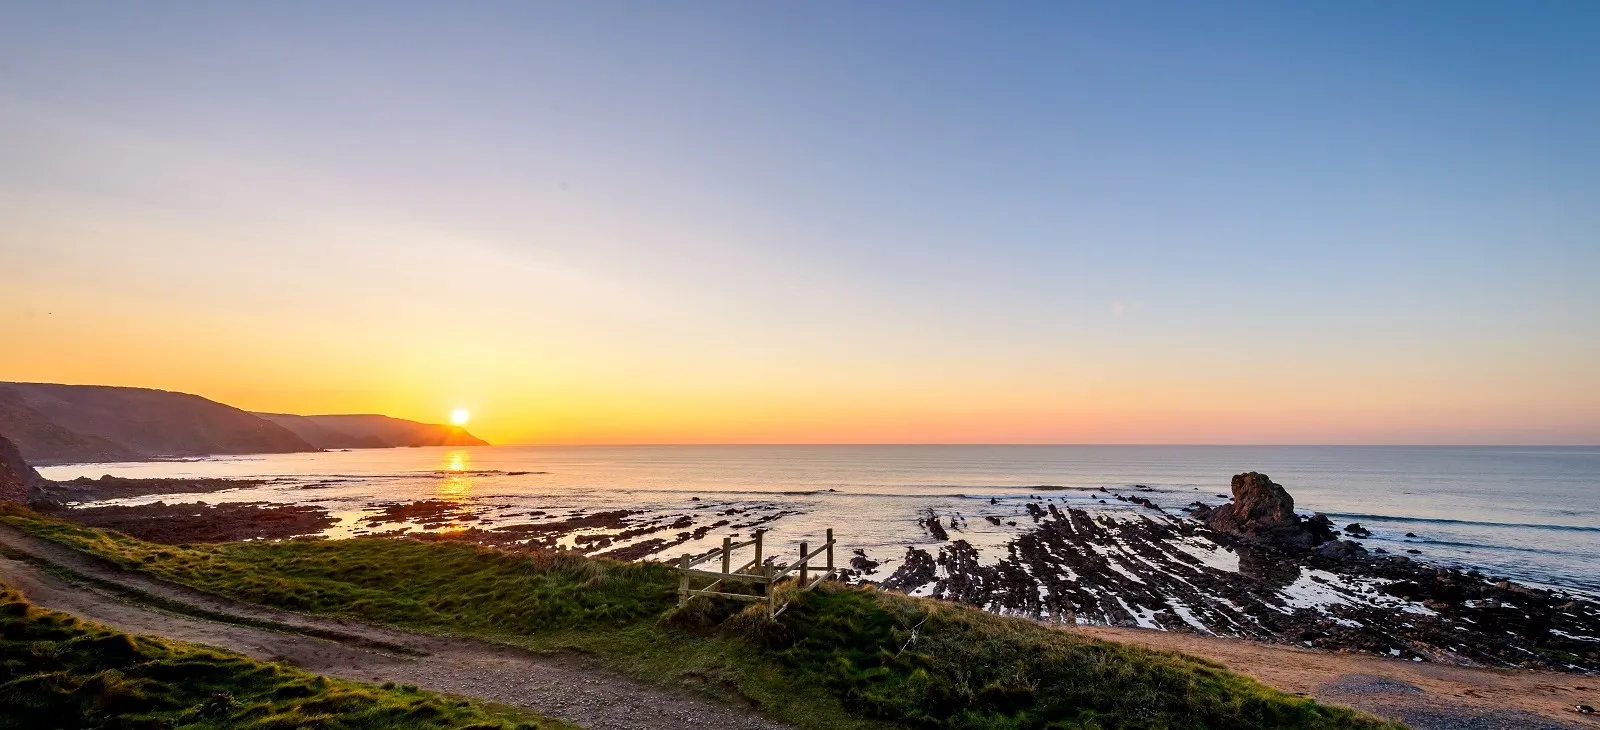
733 223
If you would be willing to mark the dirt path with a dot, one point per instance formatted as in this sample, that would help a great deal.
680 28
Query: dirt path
1425 696
565 686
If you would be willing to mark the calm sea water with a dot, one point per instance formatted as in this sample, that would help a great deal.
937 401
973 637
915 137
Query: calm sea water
1529 513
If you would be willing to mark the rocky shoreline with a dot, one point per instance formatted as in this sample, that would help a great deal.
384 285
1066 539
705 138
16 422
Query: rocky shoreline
1253 568
84 489
176 524
1294 581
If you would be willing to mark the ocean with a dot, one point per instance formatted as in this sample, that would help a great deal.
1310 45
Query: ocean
1531 514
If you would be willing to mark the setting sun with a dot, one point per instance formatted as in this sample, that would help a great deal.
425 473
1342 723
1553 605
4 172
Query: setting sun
459 416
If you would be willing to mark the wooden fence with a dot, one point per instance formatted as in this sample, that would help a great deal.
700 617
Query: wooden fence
762 573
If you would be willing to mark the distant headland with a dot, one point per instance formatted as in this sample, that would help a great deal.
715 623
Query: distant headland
59 424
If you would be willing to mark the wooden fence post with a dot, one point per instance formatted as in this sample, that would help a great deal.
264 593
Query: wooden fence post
761 570
683 581
772 604
803 562
830 551
727 555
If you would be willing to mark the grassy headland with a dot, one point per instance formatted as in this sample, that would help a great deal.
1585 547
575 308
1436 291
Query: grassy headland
57 671
839 657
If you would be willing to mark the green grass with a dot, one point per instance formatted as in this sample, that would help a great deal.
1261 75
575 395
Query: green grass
838 658
178 607
57 671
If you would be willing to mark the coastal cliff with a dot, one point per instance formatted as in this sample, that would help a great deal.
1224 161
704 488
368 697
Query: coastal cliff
371 431
321 436
61 424
54 424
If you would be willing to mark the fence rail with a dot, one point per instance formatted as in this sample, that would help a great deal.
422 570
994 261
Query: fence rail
764 574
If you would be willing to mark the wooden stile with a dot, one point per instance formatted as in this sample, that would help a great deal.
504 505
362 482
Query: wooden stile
756 571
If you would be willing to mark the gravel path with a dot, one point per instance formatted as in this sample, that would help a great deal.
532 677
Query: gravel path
569 687
1412 705
1424 695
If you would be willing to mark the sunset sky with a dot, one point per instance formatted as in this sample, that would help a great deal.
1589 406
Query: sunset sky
595 222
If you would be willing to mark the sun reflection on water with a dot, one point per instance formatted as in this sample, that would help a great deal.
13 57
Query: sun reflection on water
457 484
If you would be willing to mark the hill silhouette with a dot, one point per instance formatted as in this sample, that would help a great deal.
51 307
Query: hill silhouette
60 424
369 431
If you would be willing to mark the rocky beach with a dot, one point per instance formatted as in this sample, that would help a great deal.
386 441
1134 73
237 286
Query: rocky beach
1255 569
1251 567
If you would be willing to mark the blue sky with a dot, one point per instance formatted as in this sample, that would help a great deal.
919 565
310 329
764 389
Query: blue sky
896 214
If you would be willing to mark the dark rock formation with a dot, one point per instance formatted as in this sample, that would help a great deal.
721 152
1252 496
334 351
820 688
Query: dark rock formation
18 482
84 489
1340 549
1258 503
918 569
1141 501
1077 566
176 524
1263 511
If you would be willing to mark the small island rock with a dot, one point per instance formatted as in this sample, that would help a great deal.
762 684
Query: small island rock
1263 511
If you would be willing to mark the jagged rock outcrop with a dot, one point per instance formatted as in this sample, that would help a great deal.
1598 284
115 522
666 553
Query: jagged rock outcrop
1258 502
19 482
1263 511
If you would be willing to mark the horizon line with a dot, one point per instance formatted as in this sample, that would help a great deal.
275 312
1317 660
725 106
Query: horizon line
996 443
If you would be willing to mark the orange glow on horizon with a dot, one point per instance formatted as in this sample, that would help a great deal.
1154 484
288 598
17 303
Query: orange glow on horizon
579 394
